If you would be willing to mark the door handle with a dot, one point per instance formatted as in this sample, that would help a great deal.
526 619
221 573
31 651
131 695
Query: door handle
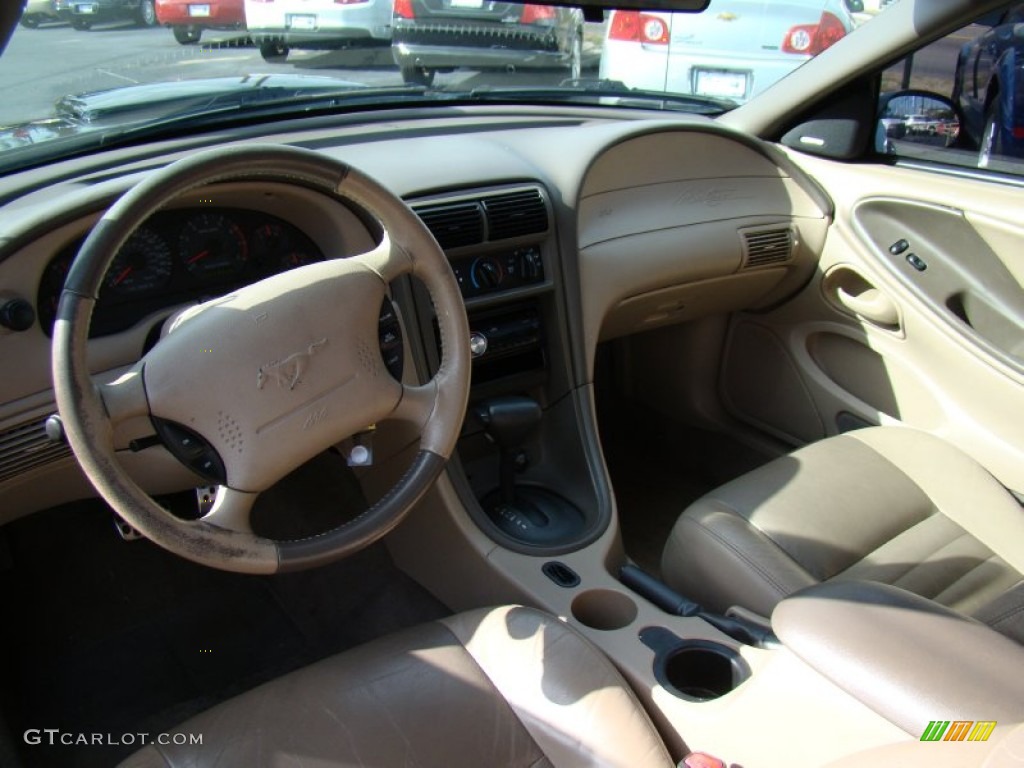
848 290
871 304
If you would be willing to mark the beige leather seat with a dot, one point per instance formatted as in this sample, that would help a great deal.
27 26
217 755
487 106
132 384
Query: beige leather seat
888 504
500 687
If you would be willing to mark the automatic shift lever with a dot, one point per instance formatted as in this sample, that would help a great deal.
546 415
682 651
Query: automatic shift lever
527 513
509 422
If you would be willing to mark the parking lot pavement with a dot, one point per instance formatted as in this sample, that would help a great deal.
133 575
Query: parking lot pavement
33 69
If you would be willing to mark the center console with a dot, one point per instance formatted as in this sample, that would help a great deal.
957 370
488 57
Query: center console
523 513
528 459
522 468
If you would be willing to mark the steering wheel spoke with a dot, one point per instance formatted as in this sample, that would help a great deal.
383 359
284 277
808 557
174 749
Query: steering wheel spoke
232 510
388 260
417 403
125 397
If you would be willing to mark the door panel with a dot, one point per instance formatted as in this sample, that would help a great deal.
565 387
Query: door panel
874 338
946 263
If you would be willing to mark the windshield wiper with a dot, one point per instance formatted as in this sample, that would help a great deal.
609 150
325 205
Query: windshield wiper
253 104
208 114
80 132
248 105
612 92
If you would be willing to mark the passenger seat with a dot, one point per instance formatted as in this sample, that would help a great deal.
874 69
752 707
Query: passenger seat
887 504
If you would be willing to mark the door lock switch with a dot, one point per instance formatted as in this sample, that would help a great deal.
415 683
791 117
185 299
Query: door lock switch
917 262
898 247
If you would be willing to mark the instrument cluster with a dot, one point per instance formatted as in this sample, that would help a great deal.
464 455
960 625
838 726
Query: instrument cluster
180 256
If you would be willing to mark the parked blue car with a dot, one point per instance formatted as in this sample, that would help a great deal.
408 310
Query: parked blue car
990 90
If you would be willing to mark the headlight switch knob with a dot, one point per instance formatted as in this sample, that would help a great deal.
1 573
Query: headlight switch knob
17 314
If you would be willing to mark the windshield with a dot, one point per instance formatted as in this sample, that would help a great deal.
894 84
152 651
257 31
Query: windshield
81 73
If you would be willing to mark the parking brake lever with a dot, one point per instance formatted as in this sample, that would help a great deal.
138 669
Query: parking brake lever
670 601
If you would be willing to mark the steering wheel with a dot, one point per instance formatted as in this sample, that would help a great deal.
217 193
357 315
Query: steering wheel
257 382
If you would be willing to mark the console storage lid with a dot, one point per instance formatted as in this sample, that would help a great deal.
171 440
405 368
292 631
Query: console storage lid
906 657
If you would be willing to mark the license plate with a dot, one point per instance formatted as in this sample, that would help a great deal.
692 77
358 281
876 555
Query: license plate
729 85
466 3
199 10
85 8
301 21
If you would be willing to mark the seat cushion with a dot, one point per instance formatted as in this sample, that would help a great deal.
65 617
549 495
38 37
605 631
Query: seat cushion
888 504
499 687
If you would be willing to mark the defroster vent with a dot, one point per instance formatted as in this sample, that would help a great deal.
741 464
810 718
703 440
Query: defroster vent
26 447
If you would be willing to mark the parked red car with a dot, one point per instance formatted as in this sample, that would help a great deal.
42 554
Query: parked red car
187 19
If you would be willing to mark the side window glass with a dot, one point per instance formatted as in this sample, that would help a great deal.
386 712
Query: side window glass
960 100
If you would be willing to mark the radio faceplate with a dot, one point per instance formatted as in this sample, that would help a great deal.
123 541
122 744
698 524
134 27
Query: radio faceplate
508 340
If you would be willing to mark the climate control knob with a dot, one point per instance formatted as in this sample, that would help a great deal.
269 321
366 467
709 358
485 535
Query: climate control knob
531 268
486 273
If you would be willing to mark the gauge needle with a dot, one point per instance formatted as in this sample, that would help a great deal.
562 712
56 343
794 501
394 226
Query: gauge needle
124 274
198 256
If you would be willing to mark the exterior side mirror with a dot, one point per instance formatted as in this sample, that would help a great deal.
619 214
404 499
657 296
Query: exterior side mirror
916 117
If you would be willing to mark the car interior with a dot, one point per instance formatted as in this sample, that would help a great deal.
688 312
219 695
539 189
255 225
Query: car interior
546 435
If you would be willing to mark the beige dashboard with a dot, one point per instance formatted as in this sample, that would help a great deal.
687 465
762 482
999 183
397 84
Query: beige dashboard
656 224
675 226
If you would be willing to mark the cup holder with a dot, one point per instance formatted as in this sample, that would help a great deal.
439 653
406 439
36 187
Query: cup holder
604 609
696 670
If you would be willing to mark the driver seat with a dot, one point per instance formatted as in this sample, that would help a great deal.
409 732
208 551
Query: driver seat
506 686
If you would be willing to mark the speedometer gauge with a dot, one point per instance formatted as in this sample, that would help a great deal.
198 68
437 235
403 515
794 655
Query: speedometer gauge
212 246
143 264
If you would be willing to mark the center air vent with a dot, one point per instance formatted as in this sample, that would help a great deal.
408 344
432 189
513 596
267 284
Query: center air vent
454 224
515 214
766 246
26 447
507 215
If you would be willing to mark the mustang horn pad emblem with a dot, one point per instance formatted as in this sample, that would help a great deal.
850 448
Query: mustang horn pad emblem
288 372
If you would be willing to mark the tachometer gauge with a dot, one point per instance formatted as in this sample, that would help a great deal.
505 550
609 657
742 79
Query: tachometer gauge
143 264
273 248
212 246
296 258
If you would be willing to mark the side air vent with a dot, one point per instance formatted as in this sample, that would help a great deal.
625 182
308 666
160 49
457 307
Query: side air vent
454 224
26 447
515 214
766 246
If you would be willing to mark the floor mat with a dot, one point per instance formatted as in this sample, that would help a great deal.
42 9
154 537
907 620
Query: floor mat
658 468
112 637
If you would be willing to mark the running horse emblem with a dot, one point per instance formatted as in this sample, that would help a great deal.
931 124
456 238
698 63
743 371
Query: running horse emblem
288 372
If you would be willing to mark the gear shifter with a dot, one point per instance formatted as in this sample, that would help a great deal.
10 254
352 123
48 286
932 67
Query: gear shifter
527 513
508 423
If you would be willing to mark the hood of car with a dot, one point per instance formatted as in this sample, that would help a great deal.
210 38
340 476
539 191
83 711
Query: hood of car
85 112
159 99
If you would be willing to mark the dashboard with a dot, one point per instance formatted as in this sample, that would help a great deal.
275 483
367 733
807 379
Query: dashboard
562 230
